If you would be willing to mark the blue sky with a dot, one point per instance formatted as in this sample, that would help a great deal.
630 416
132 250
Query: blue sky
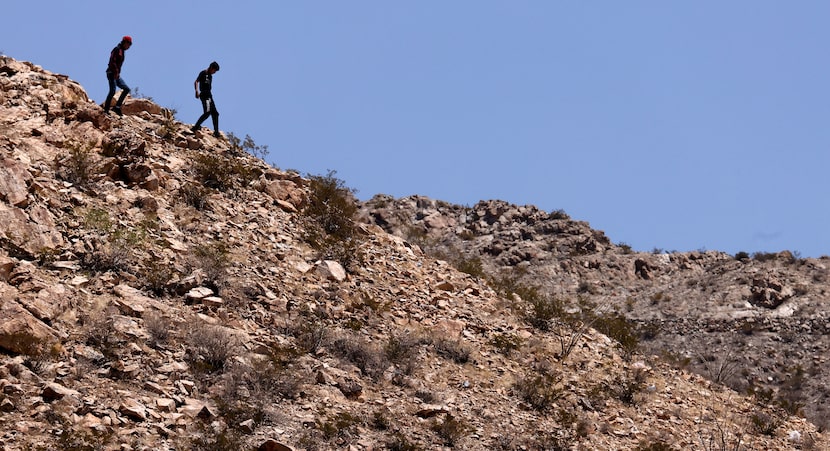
671 125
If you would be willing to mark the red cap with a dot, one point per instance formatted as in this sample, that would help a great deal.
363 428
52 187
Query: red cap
127 39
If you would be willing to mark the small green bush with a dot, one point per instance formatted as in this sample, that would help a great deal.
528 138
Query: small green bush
330 215
223 174
506 343
471 266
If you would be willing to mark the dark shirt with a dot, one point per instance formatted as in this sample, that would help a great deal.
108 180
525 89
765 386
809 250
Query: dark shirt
116 60
205 79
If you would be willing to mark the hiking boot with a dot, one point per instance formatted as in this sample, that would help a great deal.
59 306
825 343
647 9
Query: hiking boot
216 135
107 111
195 129
118 110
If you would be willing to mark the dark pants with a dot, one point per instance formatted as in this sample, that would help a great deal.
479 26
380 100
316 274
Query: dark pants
124 91
209 108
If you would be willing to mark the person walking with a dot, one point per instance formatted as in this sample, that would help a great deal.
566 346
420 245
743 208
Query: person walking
114 75
202 85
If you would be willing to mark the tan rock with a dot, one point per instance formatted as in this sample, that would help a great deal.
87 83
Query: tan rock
14 181
331 270
20 331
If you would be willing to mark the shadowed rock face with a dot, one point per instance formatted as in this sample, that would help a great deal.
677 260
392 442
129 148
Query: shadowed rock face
157 284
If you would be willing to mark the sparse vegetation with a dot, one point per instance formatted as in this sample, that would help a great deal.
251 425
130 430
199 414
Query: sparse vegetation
197 196
330 219
453 350
506 343
213 259
78 167
223 174
158 327
209 348
540 388
367 357
247 145
451 430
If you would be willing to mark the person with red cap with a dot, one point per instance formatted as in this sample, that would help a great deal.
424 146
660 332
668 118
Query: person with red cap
114 75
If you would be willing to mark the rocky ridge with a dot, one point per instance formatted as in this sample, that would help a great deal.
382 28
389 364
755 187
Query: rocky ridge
755 322
157 292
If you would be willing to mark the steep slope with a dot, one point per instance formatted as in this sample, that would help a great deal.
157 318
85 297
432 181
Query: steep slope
755 323
157 291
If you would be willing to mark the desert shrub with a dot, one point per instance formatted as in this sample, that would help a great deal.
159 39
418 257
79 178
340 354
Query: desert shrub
720 368
617 327
625 248
453 350
158 327
168 123
78 167
247 145
330 224
508 283
249 391
209 347
451 430
99 331
367 357
791 393
764 423
309 332
73 439
381 421
543 310
97 220
112 246
764 256
213 259
558 214
539 388
506 343
658 445
471 266
742 256
402 350
223 174
628 385
342 425
217 439
426 396
195 195
399 442
156 276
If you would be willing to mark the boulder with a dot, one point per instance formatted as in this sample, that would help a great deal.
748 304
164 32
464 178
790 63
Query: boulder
20 331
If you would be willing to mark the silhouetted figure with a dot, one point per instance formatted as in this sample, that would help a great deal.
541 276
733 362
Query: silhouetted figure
114 75
203 83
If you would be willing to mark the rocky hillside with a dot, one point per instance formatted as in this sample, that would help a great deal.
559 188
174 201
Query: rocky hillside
757 323
161 290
